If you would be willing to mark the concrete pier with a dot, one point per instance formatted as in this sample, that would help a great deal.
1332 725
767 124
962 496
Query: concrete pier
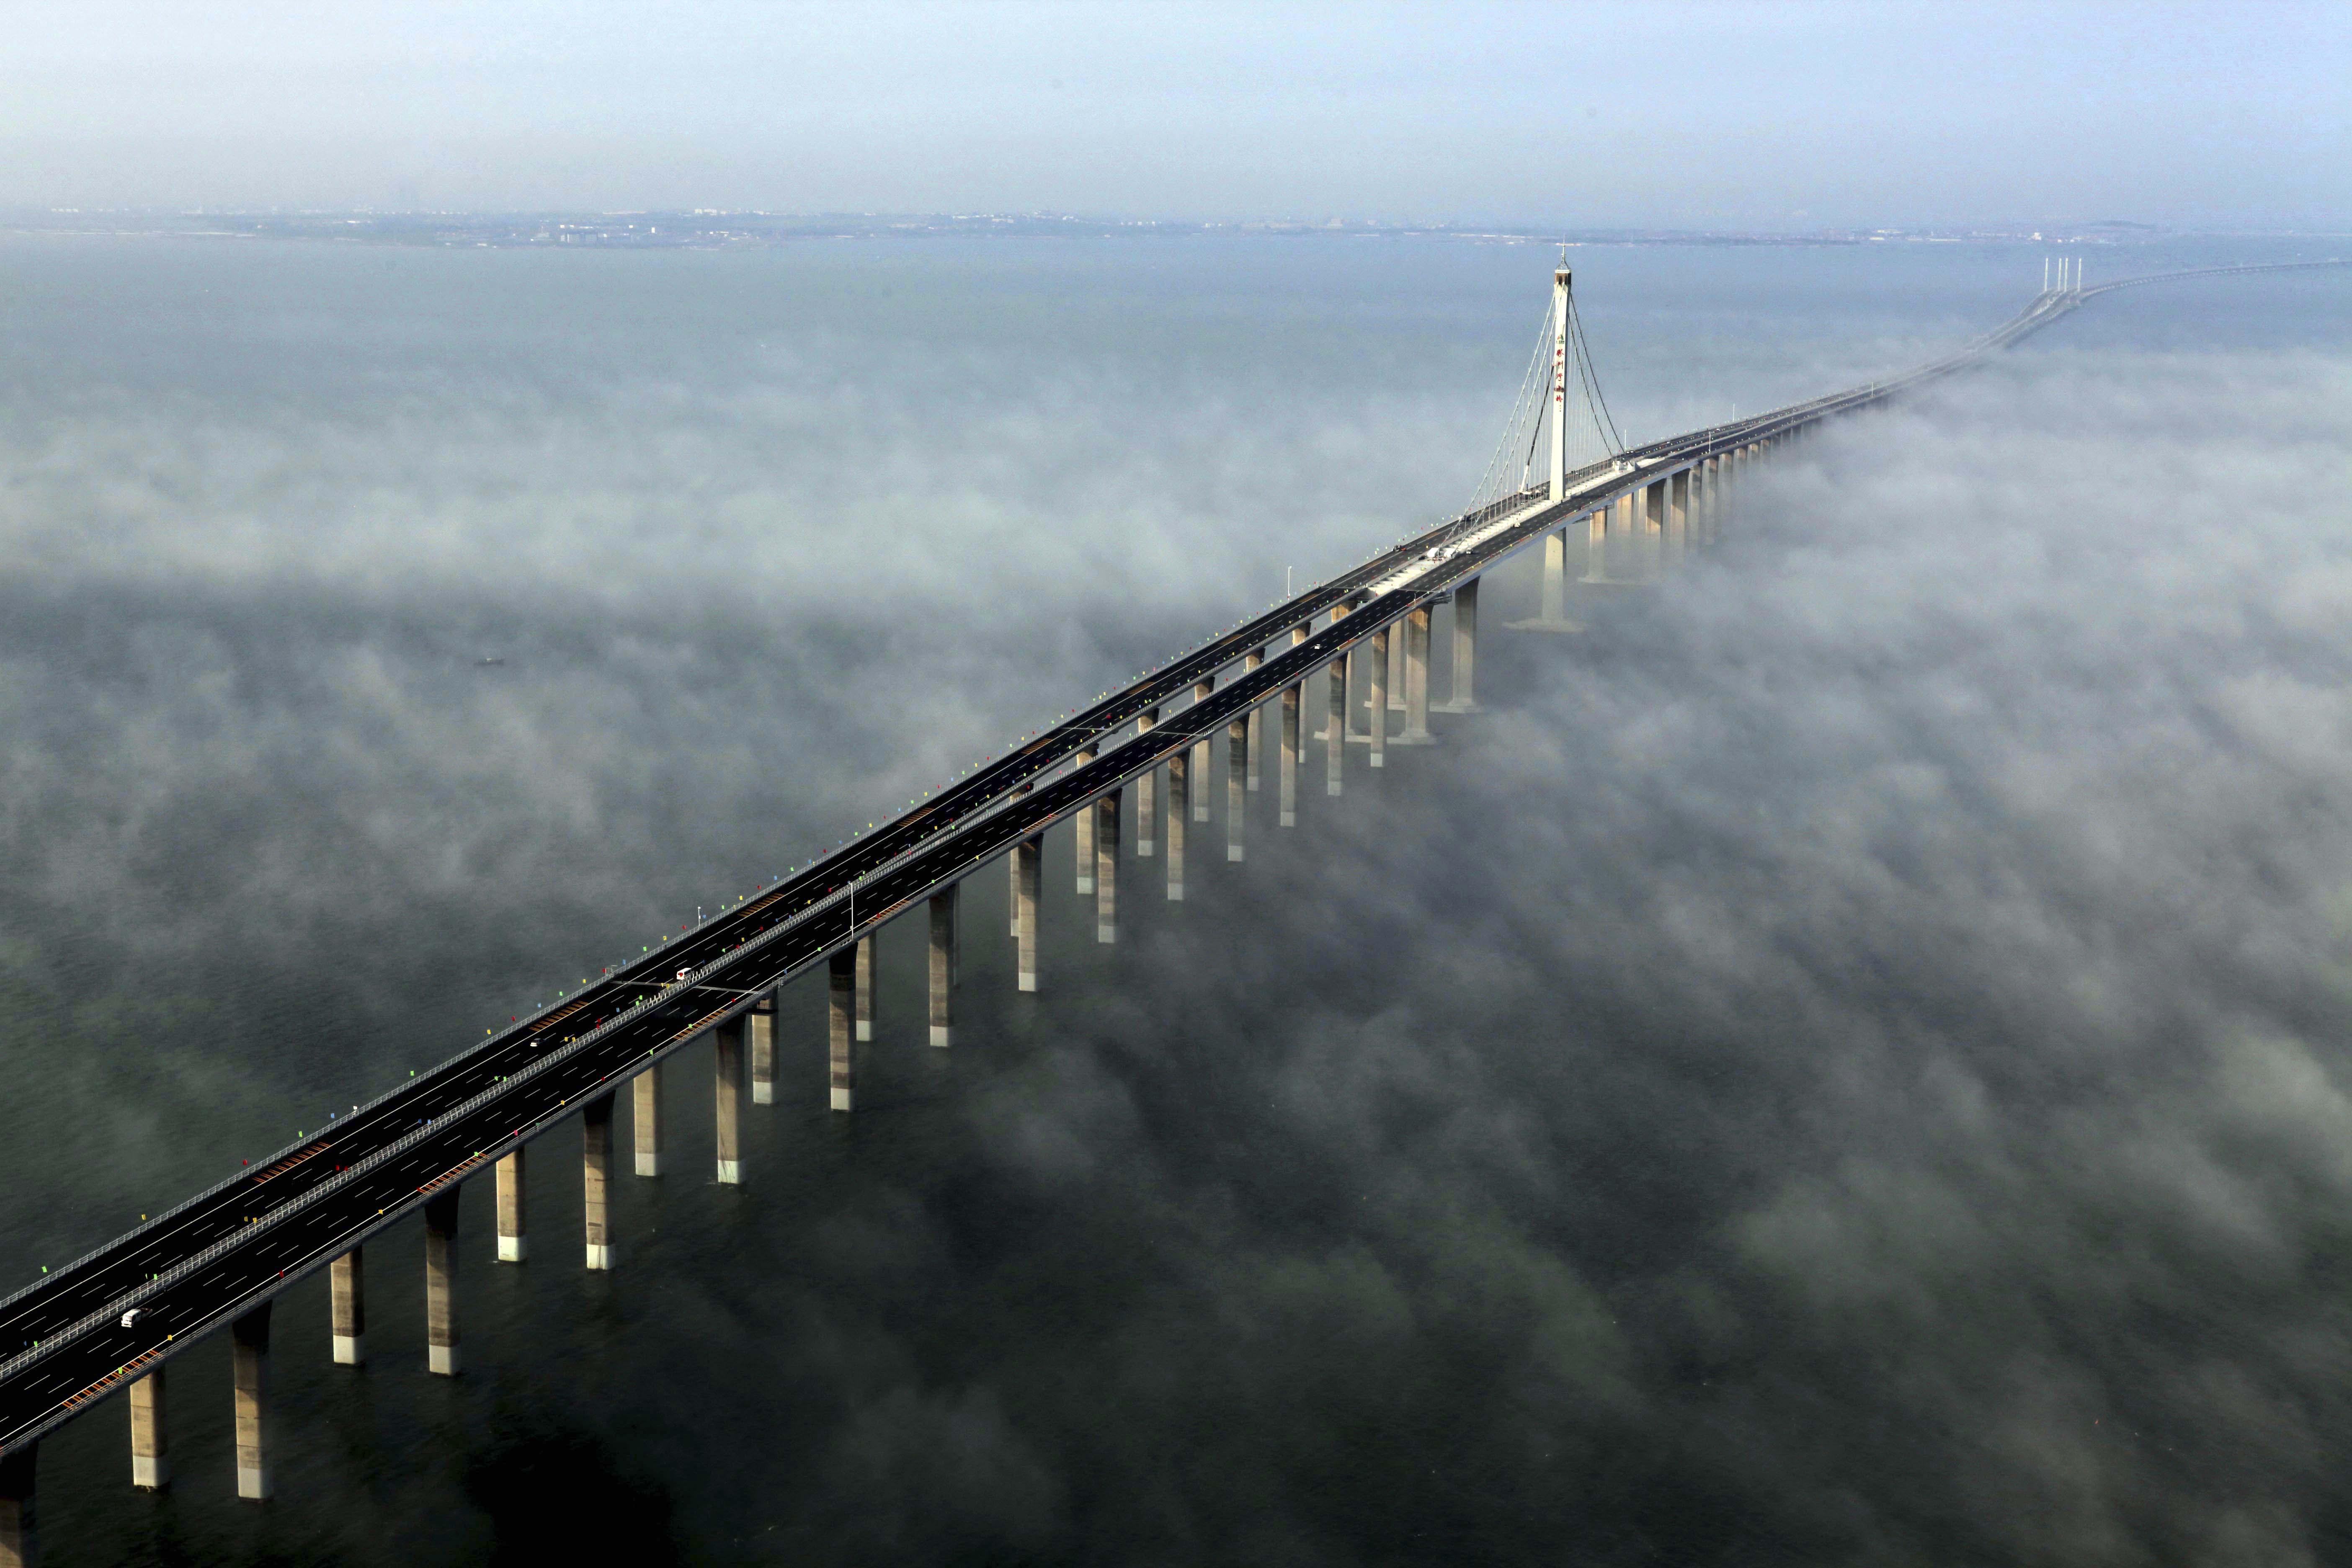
20 1544
1180 786
248 1338
762 1022
840 1011
943 957
151 1462
1678 519
1289 764
866 985
1147 797
1237 739
1202 692
1466 651
1106 813
441 1284
1335 727
645 1119
727 1098
1552 607
1395 682
597 1181
1377 715
514 1240
1027 856
1416 679
1083 826
1253 660
347 1308
1652 515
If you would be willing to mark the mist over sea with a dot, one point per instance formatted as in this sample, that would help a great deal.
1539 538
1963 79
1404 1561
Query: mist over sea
1844 1062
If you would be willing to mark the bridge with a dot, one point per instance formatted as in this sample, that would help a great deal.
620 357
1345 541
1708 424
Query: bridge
109 1322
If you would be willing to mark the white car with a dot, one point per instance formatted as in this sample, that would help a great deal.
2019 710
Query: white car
131 1316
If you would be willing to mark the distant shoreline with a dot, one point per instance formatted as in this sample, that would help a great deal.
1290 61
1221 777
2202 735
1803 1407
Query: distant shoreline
708 230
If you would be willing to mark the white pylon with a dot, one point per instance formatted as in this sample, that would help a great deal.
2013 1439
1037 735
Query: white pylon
1559 379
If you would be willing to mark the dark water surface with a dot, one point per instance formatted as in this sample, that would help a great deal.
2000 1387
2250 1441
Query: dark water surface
1843 1062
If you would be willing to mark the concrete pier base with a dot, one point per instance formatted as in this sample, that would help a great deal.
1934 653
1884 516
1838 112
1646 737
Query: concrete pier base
597 1181
1179 789
1237 734
441 1356
1334 732
1147 797
151 1462
1377 725
1106 813
762 1024
1253 660
1394 682
20 1543
840 1017
1028 859
1081 827
1552 613
645 1119
865 986
943 964
514 1241
1416 680
250 1370
347 1308
727 1098
1202 691
1466 651
1289 763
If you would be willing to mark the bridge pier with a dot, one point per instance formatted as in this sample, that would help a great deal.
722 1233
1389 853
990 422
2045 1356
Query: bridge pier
1653 529
1179 787
1416 679
762 1024
1289 764
150 1463
1552 609
943 957
840 1011
1377 708
1335 727
347 1308
1147 795
1202 692
1026 856
441 1284
1678 519
1083 827
1466 651
727 1098
1237 740
250 1370
514 1244
866 985
597 1181
1255 660
1395 662
20 1545
645 1119
1106 813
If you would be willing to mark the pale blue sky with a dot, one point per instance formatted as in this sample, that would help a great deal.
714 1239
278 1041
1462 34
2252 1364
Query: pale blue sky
1786 116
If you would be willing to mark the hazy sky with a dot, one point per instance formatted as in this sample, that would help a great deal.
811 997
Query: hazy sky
1764 115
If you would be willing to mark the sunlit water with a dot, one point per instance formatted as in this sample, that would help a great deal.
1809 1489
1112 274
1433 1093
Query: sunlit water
1841 1063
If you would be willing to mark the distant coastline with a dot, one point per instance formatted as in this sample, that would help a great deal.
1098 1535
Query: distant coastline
709 229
